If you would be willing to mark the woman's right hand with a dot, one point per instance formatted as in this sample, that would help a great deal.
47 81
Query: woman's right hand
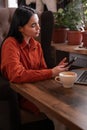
56 70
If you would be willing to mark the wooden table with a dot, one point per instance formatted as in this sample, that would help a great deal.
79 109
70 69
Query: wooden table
64 50
69 106
69 48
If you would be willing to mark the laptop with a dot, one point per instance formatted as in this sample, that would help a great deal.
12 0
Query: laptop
81 76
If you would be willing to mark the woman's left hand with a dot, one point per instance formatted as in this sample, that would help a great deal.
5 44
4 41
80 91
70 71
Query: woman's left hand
63 62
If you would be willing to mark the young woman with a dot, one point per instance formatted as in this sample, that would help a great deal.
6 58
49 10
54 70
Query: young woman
21 55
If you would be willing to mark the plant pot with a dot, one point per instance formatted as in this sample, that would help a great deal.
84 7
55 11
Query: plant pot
74 37
84 34
59 35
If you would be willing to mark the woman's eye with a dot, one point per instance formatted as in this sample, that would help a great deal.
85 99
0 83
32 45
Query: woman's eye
33 25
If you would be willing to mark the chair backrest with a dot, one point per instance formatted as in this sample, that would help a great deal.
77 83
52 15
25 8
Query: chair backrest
5 20
47 24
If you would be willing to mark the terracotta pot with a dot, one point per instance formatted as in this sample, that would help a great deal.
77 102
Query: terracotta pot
59 35
84 39
74 37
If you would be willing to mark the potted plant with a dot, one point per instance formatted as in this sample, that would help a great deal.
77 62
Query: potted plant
74 21
60 30
84 9
84 34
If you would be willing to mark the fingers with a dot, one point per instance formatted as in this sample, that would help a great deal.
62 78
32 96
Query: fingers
63 61
63 68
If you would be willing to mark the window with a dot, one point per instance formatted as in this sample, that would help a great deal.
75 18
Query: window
12 3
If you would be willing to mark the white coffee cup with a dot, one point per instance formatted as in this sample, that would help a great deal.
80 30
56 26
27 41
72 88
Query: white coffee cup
67 78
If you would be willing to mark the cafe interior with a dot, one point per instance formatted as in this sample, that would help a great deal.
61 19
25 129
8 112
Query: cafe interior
54 107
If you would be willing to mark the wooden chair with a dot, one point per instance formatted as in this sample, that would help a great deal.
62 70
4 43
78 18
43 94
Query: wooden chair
47 24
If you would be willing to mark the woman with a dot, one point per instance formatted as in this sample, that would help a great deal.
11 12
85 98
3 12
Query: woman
21 55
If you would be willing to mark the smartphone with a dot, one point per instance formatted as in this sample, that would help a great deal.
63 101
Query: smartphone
70 62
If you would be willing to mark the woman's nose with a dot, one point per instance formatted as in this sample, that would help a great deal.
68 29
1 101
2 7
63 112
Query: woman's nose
38 27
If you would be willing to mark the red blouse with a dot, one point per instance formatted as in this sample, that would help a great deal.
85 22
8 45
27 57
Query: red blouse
24 63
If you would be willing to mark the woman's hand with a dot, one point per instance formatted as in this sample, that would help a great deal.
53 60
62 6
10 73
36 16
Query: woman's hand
61 67
63 62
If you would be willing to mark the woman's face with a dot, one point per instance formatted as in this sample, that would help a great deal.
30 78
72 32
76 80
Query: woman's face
32 28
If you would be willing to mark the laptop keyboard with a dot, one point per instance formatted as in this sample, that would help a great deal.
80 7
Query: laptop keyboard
83 77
